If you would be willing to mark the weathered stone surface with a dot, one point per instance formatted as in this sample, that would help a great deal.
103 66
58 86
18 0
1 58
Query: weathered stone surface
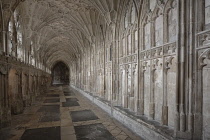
84 115
93 131
50 133
150 57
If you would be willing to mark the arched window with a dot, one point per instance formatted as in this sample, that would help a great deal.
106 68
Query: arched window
152 4
126 21
129 44
133 14
15 37
18 36
136 41
207 12
147 37
172 22
32 58
11 41
159 30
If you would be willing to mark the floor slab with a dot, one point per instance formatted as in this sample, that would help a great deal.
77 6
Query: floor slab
71 99
93 132
52 100
53 95
50 117
84 115
48 133
70 104
50 108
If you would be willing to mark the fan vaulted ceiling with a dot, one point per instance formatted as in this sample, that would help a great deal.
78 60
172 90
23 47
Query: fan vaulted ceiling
61 29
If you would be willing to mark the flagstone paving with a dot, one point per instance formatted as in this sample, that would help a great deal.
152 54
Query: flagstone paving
64 114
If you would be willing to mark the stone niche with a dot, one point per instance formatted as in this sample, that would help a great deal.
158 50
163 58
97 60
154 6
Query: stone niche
159 30
158 90
207 12
147 36
15 95
172 22
206 98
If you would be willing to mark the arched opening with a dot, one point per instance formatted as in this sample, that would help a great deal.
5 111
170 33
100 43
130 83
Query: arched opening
60 74
15 95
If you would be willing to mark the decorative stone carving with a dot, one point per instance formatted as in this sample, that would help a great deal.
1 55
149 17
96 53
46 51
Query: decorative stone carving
167 62
172 22
3 69
202 57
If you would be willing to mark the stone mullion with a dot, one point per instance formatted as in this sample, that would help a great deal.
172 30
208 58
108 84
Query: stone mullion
126 45
166 62
199 97
117 71
140 71
126 87
141 96
191 69
120 85
177 111
115 68
135 85
129 76
152 35
182 68
165 28
152 86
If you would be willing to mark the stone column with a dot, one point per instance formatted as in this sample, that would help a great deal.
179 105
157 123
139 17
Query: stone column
166 62
152 86
5 115
141 96
182 67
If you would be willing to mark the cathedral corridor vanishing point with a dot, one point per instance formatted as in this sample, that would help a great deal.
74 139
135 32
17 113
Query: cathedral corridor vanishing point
64 114
64 63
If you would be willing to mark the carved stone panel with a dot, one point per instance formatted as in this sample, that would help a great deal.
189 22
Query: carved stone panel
206 95
129 78
207 12
124 88
158 90
172 22
136 41
147 36
159 31
129 44
147 89
171 91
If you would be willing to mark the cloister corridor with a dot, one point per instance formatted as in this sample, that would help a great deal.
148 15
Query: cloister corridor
64 114
105 69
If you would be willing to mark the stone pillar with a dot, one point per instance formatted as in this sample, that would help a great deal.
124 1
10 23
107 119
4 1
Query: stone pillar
5 115
152 86
166 67
143 66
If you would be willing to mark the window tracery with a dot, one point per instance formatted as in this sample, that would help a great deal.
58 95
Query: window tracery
159 29
147 36
172 22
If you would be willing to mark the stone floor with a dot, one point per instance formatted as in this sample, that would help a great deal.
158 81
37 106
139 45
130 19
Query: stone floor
64 114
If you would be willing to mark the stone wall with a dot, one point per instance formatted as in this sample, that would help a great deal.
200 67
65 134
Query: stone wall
148 63
20 84
148 57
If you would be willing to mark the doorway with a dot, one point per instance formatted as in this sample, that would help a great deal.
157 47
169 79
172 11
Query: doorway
60 74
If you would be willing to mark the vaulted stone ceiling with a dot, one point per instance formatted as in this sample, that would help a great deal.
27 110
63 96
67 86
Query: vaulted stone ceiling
61 29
